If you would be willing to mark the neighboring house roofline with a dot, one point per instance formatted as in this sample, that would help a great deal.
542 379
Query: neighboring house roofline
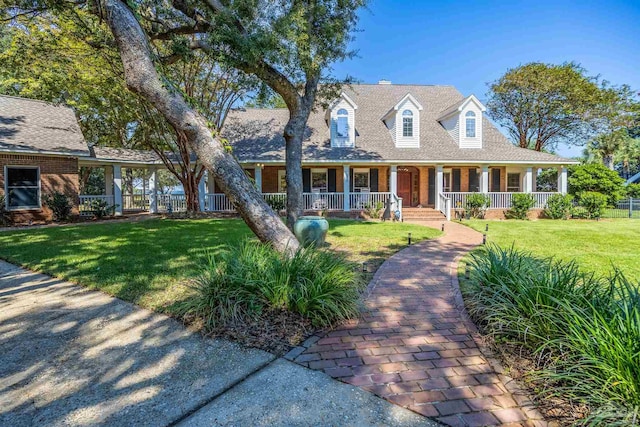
19 152
633 179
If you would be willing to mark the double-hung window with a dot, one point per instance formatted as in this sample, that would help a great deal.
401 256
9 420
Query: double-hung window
513 182
470 124
342 126
407 124
361 181
22 187
319 180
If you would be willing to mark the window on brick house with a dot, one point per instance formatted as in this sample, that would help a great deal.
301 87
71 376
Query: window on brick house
22 187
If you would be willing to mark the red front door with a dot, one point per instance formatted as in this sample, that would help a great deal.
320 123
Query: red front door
404 187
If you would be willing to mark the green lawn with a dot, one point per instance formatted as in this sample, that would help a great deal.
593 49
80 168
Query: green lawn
148 262
596 246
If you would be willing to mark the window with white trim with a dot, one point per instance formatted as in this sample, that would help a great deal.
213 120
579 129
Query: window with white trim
22 187
342 124
319 181
407 123
470 124
361 180
513 182
282 181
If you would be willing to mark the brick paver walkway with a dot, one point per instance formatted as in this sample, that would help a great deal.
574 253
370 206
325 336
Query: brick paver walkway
414 344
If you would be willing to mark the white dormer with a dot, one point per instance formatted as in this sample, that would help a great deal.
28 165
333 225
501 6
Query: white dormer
464 122
342 121
403 122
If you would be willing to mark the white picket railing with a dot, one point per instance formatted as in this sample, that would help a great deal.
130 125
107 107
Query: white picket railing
359 201
172 203
86 205
498 200
444 202
135 202
218 202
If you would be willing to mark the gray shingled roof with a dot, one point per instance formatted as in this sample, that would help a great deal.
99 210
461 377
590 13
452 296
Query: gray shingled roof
125 155
31 126
256 134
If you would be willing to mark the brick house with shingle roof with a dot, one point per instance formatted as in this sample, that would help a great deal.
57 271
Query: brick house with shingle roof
417 142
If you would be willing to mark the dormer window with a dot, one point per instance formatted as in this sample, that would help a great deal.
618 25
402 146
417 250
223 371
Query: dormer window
470 124
407 123
342 128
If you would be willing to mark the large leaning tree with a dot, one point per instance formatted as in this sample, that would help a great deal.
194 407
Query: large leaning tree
542 105
71 59
288 45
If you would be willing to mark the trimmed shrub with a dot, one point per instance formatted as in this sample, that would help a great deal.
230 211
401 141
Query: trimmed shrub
374 210
595 177
101 208
520 205
276 203
476 205
633 191
583 331
251 278
559 206
5 219
593 203
59 204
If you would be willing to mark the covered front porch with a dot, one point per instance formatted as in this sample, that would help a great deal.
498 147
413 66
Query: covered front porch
344 187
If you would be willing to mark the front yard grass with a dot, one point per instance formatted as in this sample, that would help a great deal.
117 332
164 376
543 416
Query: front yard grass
595 245
149 262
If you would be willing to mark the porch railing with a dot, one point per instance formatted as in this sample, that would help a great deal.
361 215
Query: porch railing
87 203
135 202
172 203
361 201
445 205
498 200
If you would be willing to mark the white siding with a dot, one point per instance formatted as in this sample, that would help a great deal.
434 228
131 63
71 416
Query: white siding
391 125
470 142
408 142
337 141
451 125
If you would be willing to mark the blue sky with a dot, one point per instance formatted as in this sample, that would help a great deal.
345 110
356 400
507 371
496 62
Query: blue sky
469 43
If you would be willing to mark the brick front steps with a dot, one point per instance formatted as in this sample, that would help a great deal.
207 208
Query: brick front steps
414 344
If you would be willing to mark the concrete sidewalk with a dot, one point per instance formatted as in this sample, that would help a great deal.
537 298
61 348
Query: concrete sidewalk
70 356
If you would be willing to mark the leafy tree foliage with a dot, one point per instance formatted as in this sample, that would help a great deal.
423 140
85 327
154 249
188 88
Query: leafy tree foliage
542 105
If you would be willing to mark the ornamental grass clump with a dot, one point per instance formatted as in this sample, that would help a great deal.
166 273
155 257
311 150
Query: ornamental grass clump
583 330
251 279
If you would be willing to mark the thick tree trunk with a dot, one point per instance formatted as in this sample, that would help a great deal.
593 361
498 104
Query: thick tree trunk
142 78
607 159
293 136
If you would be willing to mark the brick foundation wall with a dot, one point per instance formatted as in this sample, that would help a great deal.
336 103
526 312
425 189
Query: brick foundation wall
57 174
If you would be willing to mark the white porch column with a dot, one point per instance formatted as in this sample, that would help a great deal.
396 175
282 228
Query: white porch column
528 180
258 177
346 190
153 191
202 190
484 180
393 185
562 180
108 180
439 185
117 189
535 180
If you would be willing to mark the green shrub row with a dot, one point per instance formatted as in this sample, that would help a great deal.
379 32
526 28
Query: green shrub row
583 330
249 279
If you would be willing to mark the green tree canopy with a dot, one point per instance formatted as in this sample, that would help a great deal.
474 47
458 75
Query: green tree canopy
542 105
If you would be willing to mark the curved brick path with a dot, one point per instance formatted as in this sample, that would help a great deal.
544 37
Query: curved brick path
414 344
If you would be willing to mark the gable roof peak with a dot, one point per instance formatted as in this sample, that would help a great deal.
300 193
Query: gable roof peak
460 105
